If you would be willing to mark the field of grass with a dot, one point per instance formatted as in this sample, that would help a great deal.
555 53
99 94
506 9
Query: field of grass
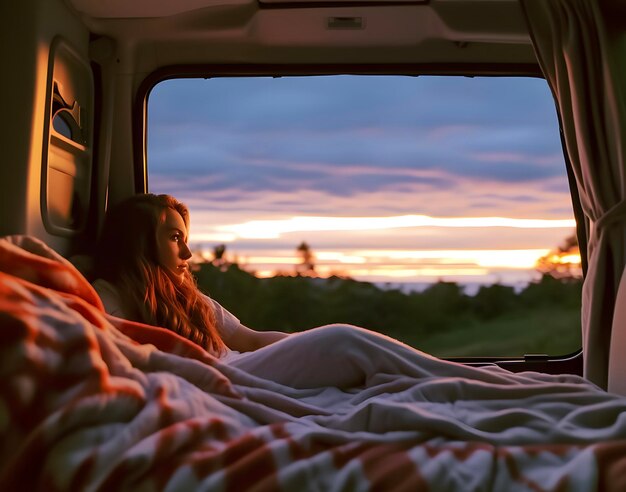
555 331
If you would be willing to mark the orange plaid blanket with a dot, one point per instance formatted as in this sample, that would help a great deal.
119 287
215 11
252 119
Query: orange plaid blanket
92 402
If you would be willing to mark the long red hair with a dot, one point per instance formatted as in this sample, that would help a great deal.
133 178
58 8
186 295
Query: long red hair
127 258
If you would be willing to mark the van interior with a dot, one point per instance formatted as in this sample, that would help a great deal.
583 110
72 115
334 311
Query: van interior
78 78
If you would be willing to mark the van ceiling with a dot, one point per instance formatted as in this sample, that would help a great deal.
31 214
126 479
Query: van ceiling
374 32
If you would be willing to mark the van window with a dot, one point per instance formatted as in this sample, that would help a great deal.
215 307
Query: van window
434 209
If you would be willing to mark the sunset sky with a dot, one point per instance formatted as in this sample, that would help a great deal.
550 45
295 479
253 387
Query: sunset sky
388 179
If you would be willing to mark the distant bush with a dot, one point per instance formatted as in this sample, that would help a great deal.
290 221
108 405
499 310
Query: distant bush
494 300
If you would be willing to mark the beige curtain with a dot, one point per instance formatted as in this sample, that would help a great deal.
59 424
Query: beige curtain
581 47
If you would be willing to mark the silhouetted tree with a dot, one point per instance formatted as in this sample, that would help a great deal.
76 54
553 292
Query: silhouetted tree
219 257
218 252
562 262
306 266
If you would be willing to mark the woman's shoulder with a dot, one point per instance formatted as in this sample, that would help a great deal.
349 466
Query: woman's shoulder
110 297
225 321
105 288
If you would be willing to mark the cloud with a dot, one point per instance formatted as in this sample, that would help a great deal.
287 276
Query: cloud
434 193
275 228
429 122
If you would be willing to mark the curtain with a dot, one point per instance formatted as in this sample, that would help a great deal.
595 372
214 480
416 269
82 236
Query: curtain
581 48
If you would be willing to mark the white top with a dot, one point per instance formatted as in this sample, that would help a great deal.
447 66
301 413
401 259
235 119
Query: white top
225 322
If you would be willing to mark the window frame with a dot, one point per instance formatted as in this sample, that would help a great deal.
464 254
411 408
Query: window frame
568 363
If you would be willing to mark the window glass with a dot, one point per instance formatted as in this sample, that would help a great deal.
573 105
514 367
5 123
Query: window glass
433 209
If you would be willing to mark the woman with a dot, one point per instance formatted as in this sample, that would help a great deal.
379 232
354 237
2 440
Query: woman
143 275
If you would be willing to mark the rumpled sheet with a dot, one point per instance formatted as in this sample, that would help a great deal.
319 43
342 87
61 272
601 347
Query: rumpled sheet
92 402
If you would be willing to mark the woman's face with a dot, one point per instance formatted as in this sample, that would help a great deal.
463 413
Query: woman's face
172 246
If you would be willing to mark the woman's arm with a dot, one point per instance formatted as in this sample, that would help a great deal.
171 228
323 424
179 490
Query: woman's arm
239 337
246 340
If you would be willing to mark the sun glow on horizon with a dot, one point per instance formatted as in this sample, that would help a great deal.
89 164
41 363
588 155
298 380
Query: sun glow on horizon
274 228
571 258
400 264
359 260
506 258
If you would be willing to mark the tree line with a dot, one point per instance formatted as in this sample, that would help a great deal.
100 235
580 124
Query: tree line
296 303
